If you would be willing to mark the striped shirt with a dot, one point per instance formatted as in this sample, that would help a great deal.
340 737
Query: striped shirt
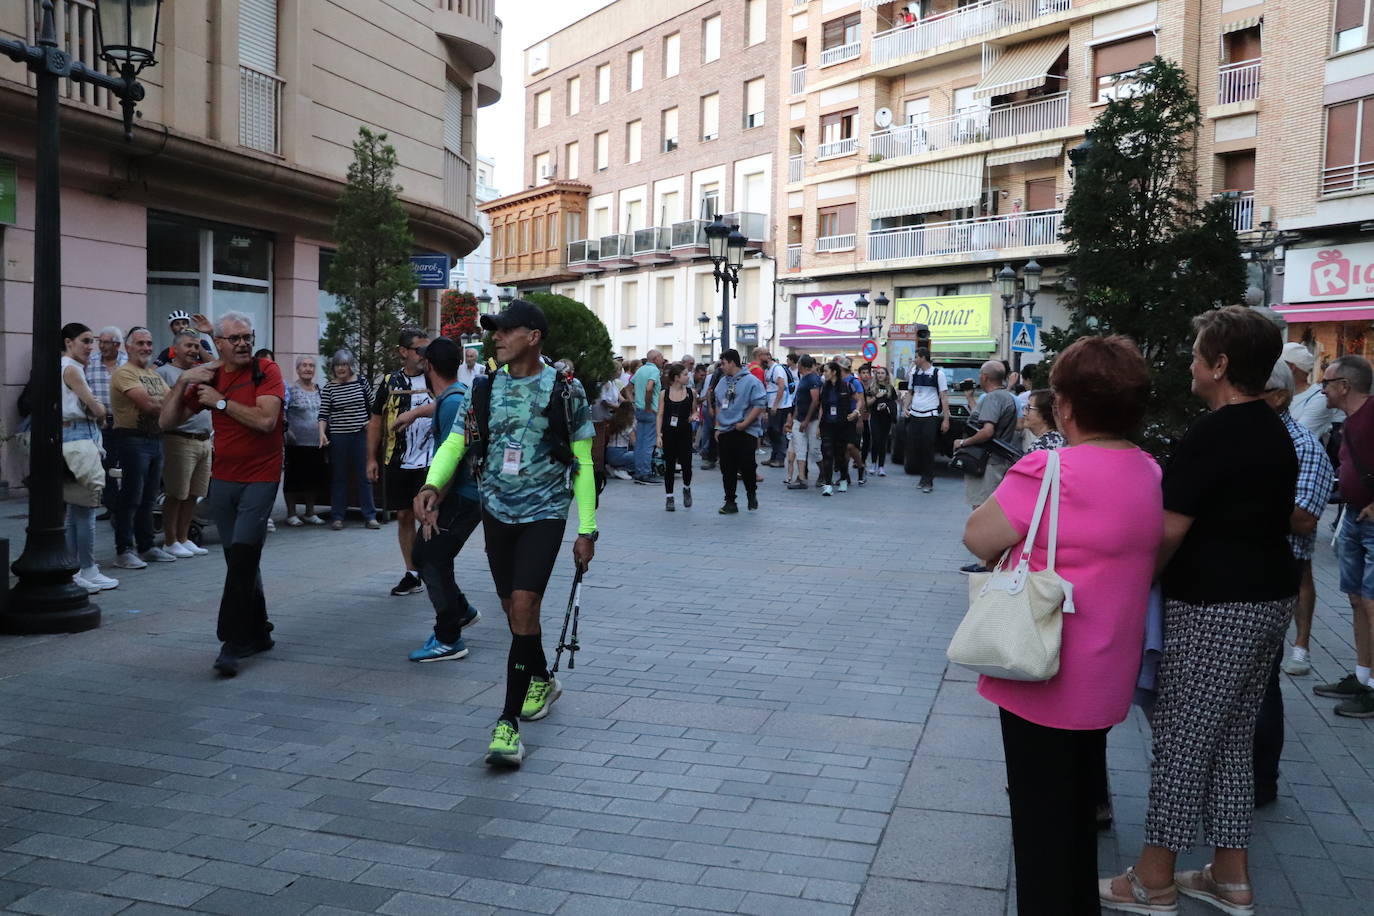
344 406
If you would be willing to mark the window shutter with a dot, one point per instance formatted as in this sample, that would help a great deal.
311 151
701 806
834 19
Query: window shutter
672 52
710 41
1341 121
758 22
710 116
753 97
1122 56
670 125
258 34
453 118
1349 14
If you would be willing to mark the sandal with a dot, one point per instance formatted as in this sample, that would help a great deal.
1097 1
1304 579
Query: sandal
1142 900
1200 885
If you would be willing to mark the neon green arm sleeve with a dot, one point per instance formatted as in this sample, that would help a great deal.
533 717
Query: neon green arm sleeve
584 486
446 459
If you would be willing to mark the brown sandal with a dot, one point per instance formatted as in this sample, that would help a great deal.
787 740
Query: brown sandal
1142 900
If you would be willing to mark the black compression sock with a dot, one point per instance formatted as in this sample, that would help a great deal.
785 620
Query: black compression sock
526 660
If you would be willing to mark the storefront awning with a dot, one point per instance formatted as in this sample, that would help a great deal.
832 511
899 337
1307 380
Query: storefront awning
1023 66
821 343
1349 310
1238 25
914 189
1026 153
971 345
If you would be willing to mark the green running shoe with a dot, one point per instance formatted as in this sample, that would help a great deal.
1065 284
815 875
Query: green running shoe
505 749
540 697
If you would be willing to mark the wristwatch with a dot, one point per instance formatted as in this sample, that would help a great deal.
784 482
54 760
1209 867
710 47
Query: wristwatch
594 535
221 404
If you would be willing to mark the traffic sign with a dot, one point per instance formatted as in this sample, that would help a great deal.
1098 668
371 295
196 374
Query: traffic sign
1023 337
870 350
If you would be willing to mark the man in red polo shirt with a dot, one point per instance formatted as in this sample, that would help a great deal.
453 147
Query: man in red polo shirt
244 395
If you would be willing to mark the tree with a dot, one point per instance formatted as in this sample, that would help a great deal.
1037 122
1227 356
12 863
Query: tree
1144 256
371 274
575 333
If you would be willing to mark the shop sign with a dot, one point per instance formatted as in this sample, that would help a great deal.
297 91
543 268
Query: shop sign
747 335
1329 273
826 313
949 317
9 192
431 270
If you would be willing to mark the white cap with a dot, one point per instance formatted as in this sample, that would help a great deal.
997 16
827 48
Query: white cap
1299 356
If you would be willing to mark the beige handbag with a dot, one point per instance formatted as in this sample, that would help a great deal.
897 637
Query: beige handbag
1013 626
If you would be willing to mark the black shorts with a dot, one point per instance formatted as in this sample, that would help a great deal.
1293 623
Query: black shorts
521 557
401 486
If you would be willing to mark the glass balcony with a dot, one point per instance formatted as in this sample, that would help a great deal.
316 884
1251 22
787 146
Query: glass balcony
966 236
653 245
616 250
962 24
583 256
689 239
754 226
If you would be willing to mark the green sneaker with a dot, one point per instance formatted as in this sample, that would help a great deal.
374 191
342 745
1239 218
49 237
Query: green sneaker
540 697
505 749
1343 689
1360 706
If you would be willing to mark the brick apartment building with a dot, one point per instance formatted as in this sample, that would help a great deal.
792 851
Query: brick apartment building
644 120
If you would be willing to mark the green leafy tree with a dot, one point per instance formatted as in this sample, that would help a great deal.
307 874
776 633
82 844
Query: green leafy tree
575 333
1145 256
371 274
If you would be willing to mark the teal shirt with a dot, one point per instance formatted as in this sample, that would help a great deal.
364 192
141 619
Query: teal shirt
542 488
643 376
453 403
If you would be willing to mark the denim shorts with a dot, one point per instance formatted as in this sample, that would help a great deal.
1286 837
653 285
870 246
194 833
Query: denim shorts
1356 550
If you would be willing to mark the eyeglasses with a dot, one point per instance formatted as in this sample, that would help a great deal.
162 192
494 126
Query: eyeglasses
1327 381
237 339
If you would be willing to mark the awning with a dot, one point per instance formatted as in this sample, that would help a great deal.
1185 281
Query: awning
1026 153
822 343
945 185
1237 25
1023 66
1348 310
970 345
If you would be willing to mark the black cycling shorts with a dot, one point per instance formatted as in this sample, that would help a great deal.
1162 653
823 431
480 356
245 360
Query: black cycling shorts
521 557
401 486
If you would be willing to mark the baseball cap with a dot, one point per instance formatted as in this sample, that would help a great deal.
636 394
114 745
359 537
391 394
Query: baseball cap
519 314
1299 355
443 354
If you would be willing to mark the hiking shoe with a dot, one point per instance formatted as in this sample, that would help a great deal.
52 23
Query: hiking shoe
1297 667
158 555
729 508
1360 706
410 584
505 749
1343 689
797 485
540 697
668 506
844 486
471 617
686 497
227 664
130 560
827 490
435 651
753 503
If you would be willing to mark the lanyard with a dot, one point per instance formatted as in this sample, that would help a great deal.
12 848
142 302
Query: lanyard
505 407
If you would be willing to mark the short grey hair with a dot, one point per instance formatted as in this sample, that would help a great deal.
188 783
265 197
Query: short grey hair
113 331
994 370
235 318
1281 378
303 357
185 332
344 356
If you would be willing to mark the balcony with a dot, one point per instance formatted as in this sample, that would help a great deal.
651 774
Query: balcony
794 257
458 187
958 25
835 243
653 245
689 239
1243 210
841 53
974 126
75 22
617 251
754 226
260 110
966 236
796 168
845 147
470 28
583 256
798 85
1238 82
1340 179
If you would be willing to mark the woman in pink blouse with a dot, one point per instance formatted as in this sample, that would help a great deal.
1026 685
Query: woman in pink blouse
1111 523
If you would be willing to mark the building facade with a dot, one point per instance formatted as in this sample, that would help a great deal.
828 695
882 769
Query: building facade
645 120
927 146
225 198
472 273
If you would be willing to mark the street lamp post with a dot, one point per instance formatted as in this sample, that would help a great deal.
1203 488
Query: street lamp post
726 245
708 339
45 600
1010 289
871 329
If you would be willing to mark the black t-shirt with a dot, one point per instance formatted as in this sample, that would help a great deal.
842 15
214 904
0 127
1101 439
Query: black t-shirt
1235 474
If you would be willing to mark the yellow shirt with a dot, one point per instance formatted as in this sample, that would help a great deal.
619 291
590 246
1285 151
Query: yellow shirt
126 413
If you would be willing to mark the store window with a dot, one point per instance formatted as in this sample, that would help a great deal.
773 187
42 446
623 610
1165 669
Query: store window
208 268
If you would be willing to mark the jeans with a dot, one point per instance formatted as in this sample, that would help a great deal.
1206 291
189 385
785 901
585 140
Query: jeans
1355 549
921 434
141 459
619 457
646 435
737 461
777 419
81 535
240 511
458 518
348 452
706 440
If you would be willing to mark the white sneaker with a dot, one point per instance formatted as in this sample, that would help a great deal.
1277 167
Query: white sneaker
194 548
882 472
622 474
827 490
94 576
271 525
178 551
294 521
313 520
158 555
90 587
129 560
844 486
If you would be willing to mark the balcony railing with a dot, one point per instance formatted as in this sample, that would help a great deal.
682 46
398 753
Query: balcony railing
754 226
973 126
1358 176
260 109
798 80
958 25
841 53
839 148
1238 82
835 243
1243 211
458 187
799 4
964 236
584 252
796 167
690 233
651 241
617 247
794 257
75 24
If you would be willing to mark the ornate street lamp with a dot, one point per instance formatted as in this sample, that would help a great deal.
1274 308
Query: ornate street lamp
708 339
880 305
484 303
1007 288
45 600
1006 285
1031 274
726 246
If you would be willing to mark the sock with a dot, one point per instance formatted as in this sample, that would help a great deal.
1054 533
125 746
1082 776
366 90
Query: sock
412 572
1362 673
526 660
1299 654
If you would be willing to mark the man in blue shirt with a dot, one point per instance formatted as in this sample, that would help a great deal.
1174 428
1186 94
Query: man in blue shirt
459 515
646 381
802 426
740 405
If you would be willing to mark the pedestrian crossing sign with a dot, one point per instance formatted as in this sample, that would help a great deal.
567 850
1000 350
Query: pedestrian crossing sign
1023 337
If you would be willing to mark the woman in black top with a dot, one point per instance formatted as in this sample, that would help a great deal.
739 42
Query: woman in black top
882 413
675 433
1230 584
837 415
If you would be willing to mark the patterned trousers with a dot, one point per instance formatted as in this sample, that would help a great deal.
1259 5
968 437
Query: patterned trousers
1211 680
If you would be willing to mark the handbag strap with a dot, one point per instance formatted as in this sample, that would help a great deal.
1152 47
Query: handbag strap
1049 492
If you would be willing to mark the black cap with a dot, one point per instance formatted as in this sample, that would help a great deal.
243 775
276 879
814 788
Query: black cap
519 314
443 354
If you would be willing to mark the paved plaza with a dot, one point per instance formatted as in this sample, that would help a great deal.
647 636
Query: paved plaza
761 721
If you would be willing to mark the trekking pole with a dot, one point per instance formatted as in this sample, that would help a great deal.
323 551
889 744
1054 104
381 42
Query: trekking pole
574 609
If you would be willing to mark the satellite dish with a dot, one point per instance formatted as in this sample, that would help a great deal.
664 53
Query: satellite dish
883 118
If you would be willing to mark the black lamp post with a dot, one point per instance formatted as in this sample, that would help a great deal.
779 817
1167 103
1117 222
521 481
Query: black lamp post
484 303
45 600
1009 289
874 328
708 339
726 245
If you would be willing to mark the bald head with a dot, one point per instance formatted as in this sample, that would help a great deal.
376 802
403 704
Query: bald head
993 374
655 357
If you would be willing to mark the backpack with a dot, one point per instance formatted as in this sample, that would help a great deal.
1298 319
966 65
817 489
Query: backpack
558 434
791 380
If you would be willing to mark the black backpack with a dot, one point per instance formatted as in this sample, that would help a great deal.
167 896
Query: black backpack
791 379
